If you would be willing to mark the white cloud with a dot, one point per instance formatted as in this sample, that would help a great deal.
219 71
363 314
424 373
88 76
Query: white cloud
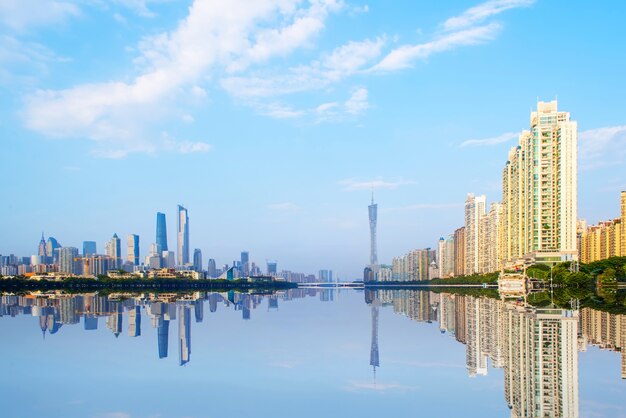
184 147
326 108
355 185
115 113
500 139
187 118
483 11
378 387
404 56
357 103
23 62
284 207
425 206
23 14
342 62
602 147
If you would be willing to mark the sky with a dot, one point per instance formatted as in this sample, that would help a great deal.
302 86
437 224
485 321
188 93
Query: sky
272 121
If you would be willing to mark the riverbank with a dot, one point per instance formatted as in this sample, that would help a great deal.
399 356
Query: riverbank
159 285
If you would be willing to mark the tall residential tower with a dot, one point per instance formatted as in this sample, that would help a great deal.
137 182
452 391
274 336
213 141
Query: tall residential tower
539 190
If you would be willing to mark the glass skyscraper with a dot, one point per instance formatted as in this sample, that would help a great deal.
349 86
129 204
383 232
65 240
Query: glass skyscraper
89 248
183 236
161 231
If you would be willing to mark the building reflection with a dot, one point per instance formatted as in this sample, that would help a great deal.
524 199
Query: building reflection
537 348
56 309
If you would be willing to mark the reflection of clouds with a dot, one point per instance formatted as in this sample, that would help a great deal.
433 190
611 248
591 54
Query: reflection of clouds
594 409
285 364
113 415
378 387
428 364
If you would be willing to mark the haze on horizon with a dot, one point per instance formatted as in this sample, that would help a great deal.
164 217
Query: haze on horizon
272 121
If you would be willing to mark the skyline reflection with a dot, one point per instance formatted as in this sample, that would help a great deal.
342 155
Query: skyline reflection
536 349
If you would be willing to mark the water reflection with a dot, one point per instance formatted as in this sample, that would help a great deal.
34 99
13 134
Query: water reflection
56 309
536 349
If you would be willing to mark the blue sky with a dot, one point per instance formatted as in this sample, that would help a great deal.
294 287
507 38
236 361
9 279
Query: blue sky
272 120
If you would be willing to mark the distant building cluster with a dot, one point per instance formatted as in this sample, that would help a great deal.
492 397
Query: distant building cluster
158 310
56 261
604 240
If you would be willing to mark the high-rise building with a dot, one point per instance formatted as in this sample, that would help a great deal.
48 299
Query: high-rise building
43 249
67 260
169 259
197 259
114 250
445 256
539 190
623 221
272 269
183 236
89 248
161 231
212 268
373 217
325 276
459 252
489 240
52 249
475 209
245 263
133 249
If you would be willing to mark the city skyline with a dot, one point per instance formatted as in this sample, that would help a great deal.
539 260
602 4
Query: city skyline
383 109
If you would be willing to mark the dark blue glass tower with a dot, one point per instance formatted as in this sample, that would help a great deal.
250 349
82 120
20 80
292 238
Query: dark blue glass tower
161 232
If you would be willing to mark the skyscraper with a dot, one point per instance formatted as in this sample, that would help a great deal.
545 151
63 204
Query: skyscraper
161 231
373 216
623 221
114 250
133 249
89 248
539 189
183 236
475 209
67 264
197 259
272 269
52 247
212 268
245 263
43 249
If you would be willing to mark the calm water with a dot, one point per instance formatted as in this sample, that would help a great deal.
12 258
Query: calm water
307 353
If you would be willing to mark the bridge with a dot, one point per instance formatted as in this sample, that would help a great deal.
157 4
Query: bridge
332 285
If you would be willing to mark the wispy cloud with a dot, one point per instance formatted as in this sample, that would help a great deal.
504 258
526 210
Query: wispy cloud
284 207
376 184
405 55
483 11
113 415
342 62
20 15
496 140
215 34
378 387
230 43
602 147
424 206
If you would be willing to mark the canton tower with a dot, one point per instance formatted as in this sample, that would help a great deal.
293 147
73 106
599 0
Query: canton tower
373 214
